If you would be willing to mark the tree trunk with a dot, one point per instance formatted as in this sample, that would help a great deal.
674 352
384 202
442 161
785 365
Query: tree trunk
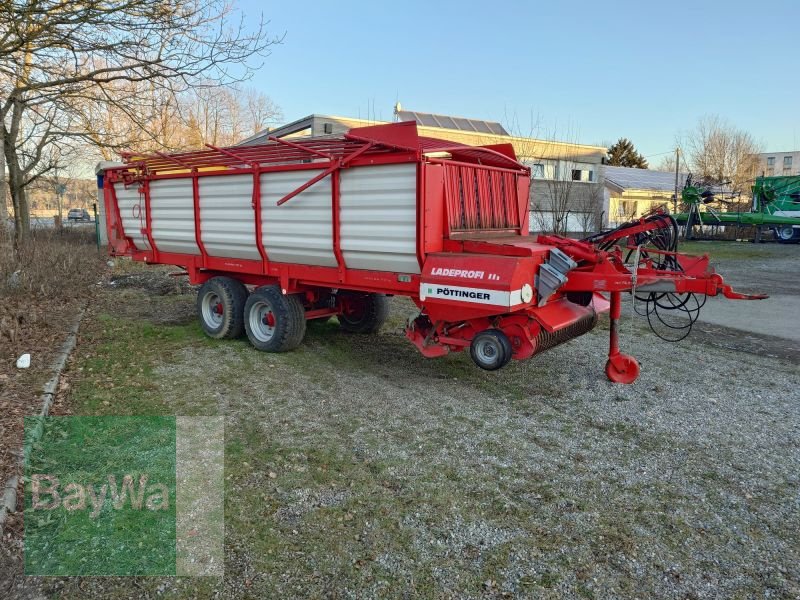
19 196
3 185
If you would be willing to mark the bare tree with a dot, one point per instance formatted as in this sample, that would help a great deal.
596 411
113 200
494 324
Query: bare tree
590 209
259 112
60 60
559 200
666 164
561 182
720 153
567 186
627 210
222 116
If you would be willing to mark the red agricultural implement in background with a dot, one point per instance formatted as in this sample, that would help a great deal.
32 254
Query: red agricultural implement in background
309 228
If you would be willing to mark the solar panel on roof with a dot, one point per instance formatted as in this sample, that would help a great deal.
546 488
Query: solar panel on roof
496 128
463 124
425 120
642 179
448 122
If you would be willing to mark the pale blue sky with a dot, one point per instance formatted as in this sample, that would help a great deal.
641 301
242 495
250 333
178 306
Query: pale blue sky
592 71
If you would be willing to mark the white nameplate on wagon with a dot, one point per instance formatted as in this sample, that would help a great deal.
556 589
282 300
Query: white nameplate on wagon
467 294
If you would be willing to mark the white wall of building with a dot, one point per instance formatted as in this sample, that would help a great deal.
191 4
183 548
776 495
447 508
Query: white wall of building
779 163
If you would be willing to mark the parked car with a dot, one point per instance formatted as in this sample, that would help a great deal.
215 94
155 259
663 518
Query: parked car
78 215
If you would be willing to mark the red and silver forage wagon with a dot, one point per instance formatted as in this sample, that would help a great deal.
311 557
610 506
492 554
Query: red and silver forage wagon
308 228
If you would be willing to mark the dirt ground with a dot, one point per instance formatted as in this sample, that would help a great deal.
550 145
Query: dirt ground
354 467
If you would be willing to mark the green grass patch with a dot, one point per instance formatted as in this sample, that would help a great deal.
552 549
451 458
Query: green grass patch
100 497
117 370
723 250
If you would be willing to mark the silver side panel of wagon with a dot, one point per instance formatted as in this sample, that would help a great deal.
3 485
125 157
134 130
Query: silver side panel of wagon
379 218
227 218
378 215
131 210
300 231
172 216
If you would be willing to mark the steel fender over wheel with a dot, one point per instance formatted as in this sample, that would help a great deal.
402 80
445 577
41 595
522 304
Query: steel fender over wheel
363 313
491 349
274 322
220 307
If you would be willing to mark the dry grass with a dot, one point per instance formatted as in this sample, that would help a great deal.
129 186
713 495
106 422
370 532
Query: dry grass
61 264
41 290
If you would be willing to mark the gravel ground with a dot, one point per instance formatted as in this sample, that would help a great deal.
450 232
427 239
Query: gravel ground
770 268
357 468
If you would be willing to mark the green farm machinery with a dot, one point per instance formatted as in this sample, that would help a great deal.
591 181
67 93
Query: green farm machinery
776 207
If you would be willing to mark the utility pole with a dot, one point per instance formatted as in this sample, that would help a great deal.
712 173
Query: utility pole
677 164
60 188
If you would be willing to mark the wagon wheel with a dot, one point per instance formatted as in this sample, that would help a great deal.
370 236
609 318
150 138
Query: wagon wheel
274 322
362 313
220 306
491 349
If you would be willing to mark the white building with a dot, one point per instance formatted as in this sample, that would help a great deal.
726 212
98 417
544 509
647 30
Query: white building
779 163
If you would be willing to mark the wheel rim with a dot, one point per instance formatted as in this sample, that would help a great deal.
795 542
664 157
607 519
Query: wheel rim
213 311
622 369
354 310
786 233
262 321
487 351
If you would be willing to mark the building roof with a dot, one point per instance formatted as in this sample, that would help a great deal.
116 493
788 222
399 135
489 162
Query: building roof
626 178
776 153
448 122
528 147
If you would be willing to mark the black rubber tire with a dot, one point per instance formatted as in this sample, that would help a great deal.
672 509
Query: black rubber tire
782 232
494 340
231 296
288 315
371 318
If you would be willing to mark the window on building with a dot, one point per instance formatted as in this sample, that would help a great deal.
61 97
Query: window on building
560 170
787 162
770 161
579 171
627 209
770 172
582 175
543 168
